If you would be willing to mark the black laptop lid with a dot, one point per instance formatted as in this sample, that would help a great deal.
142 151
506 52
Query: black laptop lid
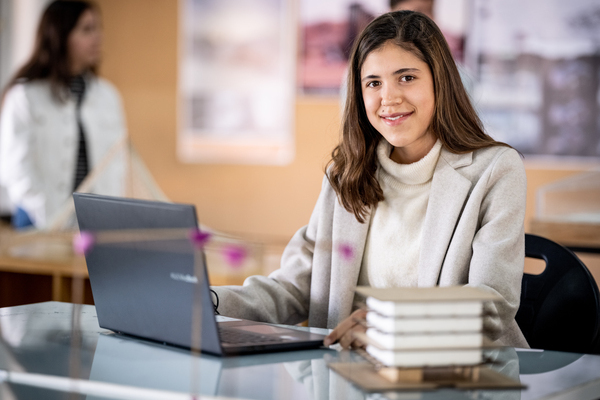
147 288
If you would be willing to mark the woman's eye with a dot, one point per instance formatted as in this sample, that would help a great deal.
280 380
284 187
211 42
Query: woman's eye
373 84
407 78
89 28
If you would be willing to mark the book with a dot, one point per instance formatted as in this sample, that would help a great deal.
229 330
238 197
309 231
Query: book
424 325
447 300
426 309
389 341
426 358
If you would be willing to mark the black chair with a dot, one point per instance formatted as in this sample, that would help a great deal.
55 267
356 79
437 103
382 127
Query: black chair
560 308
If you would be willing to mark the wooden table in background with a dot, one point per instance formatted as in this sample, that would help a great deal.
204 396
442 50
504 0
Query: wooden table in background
38 268
43 267
579 237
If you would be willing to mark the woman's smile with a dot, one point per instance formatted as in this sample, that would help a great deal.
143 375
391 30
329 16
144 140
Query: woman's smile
396 118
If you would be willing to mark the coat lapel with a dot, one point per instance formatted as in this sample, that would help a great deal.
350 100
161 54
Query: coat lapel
348 240
449 191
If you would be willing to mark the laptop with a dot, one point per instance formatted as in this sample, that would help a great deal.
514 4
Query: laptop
158 289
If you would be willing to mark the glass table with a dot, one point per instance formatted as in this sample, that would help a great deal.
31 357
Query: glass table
42 357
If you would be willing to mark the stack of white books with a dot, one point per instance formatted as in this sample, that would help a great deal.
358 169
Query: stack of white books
425 327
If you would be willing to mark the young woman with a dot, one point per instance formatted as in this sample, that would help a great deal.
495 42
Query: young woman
59 119
416 194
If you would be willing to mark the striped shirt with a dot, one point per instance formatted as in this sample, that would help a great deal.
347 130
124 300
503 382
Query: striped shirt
77 87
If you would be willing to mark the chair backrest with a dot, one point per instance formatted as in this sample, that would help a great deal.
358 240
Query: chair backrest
560 308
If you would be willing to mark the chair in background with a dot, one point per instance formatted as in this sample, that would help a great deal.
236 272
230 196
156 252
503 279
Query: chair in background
560 308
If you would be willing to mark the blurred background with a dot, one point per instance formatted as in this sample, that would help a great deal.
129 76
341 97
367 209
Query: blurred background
539 95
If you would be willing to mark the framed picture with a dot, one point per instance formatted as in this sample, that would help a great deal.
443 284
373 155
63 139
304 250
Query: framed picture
327 30
536 67
236 81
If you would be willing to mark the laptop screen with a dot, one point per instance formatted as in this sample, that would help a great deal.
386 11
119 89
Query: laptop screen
147 285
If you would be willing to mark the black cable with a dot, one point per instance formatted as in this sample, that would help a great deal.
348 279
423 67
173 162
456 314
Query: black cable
216 306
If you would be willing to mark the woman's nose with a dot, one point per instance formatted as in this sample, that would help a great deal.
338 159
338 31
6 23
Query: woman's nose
390 97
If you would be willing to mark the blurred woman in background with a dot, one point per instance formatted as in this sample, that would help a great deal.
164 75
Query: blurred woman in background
58 118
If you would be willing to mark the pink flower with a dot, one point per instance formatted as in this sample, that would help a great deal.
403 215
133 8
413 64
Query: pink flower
83 242
346 251
199 238
234 255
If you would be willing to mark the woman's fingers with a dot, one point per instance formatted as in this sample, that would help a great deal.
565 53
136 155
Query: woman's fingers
343 332
346 339
349 340
332 337
340 330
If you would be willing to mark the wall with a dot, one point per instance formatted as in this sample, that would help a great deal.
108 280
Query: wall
257 201
18 24
140 59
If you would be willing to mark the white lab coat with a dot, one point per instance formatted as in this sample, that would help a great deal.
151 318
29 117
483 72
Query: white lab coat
39 140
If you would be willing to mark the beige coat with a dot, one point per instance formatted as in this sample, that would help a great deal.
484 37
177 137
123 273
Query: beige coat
39 140
473 234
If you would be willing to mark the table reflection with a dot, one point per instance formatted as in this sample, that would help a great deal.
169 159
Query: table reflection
322 383
41 339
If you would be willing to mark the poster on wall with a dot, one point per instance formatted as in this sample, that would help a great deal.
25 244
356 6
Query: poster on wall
236 91
537 69
327 30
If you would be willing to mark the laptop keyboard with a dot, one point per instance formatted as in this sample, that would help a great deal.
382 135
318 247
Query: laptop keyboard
235 336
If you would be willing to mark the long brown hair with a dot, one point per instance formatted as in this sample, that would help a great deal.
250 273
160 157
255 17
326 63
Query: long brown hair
353 165
50 58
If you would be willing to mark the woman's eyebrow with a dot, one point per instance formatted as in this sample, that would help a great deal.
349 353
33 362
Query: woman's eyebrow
398 72
405 70
369 77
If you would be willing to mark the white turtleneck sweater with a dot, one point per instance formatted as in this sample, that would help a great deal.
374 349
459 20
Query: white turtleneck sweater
392 249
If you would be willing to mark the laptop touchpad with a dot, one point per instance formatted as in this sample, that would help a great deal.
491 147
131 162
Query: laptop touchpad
265 330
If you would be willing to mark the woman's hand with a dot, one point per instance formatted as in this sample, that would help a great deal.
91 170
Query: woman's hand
344 332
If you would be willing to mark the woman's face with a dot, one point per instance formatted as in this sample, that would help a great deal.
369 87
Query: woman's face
85 42
397 89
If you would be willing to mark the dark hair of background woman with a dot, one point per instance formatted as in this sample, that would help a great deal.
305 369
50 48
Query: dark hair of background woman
352 168
50 58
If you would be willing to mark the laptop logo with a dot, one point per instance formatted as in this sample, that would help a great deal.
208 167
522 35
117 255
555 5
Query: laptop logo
184 277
